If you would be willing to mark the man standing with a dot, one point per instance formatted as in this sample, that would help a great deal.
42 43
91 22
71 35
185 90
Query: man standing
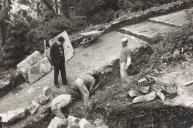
125 59
58 61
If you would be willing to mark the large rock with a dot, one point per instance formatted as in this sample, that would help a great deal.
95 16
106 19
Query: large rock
161 95
144 89
84 123
62 100
32 108
98 123
58 123
133 93
68 49
42 99
73 122
12 116
38 70
145 98
28 62
47 91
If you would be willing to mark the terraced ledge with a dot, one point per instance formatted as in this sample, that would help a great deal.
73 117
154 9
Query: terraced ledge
152 12
147 30
177 19
139 17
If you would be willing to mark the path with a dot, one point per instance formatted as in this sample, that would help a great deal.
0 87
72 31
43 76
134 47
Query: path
98 55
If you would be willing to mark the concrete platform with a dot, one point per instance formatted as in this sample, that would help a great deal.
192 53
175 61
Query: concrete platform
147 30
176 18
95 57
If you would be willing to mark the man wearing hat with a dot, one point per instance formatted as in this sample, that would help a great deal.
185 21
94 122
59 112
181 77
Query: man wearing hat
125 58
58 61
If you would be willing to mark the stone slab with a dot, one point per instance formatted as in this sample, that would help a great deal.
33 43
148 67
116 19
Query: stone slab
38 70
147 30
28 62
68 49
176 18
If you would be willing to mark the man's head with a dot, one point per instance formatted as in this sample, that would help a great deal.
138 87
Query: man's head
61 40
124 41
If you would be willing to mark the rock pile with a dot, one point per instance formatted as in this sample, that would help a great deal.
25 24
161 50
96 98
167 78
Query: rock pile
74 122
14 116
148 89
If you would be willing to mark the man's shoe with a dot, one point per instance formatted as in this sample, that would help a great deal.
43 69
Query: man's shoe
57 86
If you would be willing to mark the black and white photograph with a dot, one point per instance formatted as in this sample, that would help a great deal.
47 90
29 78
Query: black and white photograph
96 63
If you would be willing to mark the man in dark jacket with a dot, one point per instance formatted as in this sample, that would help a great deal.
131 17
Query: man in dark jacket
58 61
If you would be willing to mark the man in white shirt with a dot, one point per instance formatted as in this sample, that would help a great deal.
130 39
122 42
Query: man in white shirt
125 58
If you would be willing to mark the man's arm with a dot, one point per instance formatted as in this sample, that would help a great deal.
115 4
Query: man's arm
52 54
128 63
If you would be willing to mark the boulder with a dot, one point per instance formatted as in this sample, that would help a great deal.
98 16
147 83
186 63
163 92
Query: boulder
161 96
42 99
24 65
72 121
84 123
62 100
38 70
68 49
144 89
57 123
133 93
47 91
12 116
32 108
145 98
98 123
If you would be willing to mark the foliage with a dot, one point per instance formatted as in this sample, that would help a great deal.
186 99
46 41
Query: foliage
95 10
14 48
52 27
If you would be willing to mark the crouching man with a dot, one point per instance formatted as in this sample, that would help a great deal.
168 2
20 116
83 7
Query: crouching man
80 89
125 59
87 84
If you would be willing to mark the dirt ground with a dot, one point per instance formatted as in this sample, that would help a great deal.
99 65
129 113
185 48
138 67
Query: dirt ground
95 57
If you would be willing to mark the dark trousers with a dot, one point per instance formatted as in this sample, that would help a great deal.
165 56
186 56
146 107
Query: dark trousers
60 67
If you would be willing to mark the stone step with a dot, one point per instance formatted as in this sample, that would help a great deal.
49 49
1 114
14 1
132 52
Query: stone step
175 19
147 30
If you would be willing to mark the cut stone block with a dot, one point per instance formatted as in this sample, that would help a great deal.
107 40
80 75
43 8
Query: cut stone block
38 70
25 65
47 91
144 89
176 18
68 49
42 99
84 123
147 30
58 123
133 93
145 98
32 109
12 116
62 101
72 120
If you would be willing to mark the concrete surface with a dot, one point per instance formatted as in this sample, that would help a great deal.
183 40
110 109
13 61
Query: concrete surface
177 18
95 57
147 29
